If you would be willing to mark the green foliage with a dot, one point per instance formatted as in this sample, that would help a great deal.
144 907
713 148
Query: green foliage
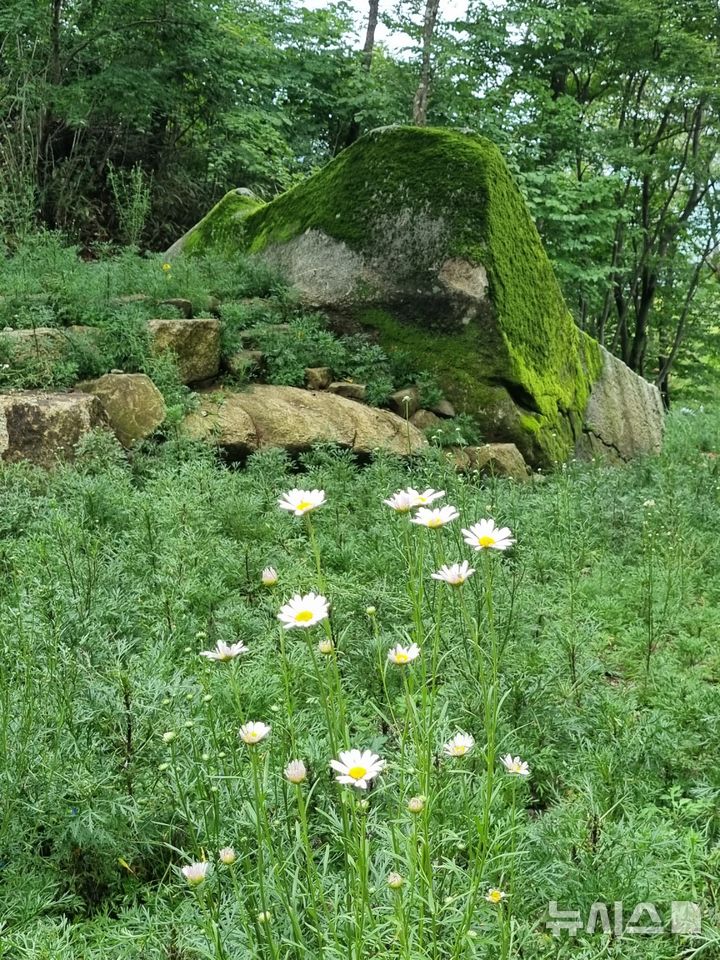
459 431
131 194
117 575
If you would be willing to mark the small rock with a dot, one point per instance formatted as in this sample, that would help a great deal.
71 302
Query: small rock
195 343
351 391
43 428
443 408
134 406
318 378
184 306
493 459
425 420
405 402
117 371
245 362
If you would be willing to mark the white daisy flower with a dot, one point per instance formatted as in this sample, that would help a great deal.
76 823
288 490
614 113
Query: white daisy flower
225 651
300 502
515 766
303 611
485 535
196 873
494 895
295 771
227 856
426 497
402 502
460 744
437 517
253 732
357 767
456 574
402 655
269 577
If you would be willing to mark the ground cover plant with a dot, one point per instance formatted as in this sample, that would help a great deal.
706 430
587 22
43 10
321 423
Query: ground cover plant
174 772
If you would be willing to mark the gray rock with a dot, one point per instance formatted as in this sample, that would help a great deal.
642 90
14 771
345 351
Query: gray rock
351 391
318 378
274 416
491 459
443 408
624 417
405 407
425 420
195 343
44 428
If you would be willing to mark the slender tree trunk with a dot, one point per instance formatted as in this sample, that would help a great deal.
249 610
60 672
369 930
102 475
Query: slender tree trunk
367 56
422 94
369 44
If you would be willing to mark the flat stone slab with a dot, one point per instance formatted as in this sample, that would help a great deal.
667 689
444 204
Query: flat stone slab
276 416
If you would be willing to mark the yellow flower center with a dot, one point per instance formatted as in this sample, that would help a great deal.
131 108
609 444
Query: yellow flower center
459 749
495 896
486 541
303 505
251 735
357 773
401 657
435 522
303 616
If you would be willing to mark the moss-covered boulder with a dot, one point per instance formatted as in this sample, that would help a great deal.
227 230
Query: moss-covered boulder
423 236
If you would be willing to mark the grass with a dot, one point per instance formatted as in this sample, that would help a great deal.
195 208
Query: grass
590 650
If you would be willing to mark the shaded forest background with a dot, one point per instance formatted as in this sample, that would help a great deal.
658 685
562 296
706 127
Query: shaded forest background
123 121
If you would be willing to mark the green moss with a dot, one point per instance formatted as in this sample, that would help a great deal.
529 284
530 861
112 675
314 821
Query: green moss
219 229
410 199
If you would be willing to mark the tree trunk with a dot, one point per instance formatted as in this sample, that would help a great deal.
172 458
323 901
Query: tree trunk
367 55
420 102
369 45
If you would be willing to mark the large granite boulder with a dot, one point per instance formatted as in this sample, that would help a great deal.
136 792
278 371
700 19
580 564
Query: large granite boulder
43 428
134 406
194 343
294 419
422 236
